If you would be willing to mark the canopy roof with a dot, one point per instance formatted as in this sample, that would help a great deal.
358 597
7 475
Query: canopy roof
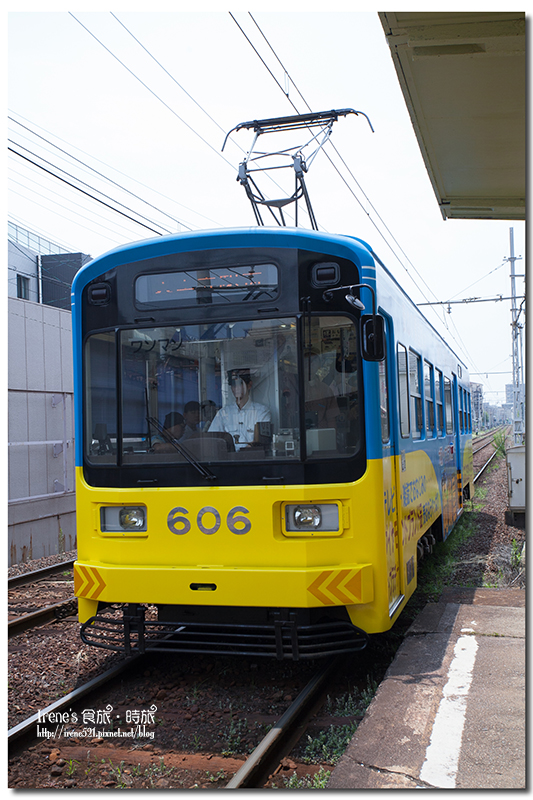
463 77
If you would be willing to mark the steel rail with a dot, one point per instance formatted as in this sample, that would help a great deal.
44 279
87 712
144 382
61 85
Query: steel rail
38 574
40 617
483 446
484 467
284 735
28 726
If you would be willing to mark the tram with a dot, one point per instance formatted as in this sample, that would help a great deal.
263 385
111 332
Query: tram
329 444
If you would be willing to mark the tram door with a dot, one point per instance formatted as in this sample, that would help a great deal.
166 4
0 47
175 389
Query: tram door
390 483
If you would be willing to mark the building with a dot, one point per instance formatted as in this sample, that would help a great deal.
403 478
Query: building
41 496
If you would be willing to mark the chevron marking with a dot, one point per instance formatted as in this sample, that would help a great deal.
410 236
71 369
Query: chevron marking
333 587
354 585
344 585
316 591
88 582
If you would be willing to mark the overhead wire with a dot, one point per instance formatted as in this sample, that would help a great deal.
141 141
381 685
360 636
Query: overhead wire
172 78
476 281
69 219
100 174
337 152
71 203
458 340
147 51
160 99
460 343
84 183
98 200
135 180
20 223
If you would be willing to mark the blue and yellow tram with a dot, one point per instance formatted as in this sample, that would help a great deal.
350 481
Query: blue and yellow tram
269 435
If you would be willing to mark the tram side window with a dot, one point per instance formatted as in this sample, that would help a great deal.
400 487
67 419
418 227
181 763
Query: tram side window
416 394
403 391
101 399
428 394
469 411
462 409
439 394
448 405
384 401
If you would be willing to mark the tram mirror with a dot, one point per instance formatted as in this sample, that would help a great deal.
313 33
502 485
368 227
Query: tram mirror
355 302
373 337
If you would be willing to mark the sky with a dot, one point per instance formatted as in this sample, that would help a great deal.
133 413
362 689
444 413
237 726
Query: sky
133 108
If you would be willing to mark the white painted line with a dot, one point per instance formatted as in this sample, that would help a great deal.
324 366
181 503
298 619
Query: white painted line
442 755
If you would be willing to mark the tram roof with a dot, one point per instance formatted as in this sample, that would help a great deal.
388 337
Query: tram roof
463 77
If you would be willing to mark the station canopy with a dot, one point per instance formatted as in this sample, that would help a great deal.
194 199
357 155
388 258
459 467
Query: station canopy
463 77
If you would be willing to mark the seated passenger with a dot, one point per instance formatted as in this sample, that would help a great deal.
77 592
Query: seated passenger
241 418
191 415
209 410
174 426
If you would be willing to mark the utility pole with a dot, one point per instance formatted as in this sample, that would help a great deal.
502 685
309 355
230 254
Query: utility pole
518 378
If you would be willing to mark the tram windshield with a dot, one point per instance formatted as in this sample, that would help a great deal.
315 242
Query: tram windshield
223 391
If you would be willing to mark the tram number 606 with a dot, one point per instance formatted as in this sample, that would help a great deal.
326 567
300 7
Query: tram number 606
180 524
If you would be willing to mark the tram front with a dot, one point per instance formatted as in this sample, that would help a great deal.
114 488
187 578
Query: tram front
225 500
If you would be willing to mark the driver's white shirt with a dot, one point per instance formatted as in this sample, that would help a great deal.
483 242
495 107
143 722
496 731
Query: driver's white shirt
240 421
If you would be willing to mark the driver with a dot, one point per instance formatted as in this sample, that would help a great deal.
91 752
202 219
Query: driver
241 418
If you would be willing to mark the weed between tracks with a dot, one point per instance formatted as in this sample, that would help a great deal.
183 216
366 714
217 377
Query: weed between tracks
318 781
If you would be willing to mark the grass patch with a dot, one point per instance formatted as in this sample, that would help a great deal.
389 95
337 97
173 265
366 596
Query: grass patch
499 443
318 781
329 744
437 571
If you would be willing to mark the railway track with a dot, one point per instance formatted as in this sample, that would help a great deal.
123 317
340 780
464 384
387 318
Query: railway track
265 759
27 729
39 574
487 439
27 592
280 740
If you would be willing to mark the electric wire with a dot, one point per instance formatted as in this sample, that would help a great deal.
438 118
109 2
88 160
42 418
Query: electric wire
477 281
44 269
229 137
339 155
24 225
172 111
69 219
458 340
84 183
67 208
155 191
172 78
58 177
100 174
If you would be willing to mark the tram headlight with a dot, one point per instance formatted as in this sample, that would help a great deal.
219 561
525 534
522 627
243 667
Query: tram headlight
123 519
312 518
309 517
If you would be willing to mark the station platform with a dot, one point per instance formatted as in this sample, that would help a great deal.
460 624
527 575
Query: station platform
451 711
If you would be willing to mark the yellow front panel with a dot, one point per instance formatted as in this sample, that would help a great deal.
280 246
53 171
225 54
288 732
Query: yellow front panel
227 546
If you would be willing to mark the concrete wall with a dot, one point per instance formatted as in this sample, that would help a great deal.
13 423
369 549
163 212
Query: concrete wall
41 510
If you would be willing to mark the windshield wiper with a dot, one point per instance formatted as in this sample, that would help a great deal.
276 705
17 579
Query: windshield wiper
204 471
